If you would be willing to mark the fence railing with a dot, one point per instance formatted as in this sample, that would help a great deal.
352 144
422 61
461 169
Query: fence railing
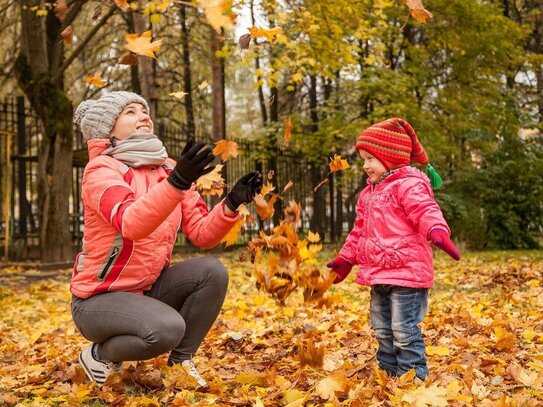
20 136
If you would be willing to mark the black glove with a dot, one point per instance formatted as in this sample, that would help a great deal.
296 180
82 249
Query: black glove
244 191
191 165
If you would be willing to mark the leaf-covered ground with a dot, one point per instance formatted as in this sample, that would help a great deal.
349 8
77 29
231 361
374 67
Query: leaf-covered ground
484 334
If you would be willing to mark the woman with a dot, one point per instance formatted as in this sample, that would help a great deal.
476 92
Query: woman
128 300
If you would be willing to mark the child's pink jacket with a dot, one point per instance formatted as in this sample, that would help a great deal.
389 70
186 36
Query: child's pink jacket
389 240
132 216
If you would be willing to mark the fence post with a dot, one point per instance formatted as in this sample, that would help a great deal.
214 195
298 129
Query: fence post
21 165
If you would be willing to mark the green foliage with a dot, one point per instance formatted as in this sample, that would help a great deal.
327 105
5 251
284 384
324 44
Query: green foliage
500 205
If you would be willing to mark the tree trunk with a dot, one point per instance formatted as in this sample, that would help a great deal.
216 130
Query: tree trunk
134 71
146 67
319 198
261 100
40 49
217 88
187 79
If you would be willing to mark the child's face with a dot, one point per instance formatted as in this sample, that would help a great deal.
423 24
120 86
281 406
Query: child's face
372 166
133 119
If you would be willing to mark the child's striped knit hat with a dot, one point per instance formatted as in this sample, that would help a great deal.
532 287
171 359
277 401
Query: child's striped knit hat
395 144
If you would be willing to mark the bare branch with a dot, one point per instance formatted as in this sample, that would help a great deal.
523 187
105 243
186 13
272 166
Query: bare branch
57 76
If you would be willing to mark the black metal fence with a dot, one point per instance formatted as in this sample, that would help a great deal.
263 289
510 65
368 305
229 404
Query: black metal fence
20 137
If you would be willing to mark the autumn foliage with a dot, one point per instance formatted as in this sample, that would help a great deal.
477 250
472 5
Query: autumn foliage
483 333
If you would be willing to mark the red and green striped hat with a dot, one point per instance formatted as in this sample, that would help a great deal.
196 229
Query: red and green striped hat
394 143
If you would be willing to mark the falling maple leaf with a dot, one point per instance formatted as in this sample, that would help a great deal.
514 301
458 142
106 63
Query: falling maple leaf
244 41
287 187
179 94
267 188
225 149
232 236
320 184
310 354
96 80
338 164
122 4
313 237
67 35
269 33
212 183
264 208
142 45
203 85
214 11
129 59
418 11
287 134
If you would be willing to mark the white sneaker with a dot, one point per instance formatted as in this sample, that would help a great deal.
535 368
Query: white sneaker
190 367
95 369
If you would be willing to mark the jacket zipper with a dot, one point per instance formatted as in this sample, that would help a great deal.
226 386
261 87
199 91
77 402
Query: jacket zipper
109 262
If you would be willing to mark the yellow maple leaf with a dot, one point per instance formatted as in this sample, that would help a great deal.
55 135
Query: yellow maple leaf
142 44
226 149
437 350
427 396
327 387
203 85
313 237
505 340
418 11
287 134
269 33
213 181
96 80
232 236
214 11
338 164
267 188
180 94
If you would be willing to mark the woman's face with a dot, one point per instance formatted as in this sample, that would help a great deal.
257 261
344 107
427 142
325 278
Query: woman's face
133 119
372 166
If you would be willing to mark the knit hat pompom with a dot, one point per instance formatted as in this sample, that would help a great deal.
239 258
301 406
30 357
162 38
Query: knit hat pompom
96 118
394 143
81 110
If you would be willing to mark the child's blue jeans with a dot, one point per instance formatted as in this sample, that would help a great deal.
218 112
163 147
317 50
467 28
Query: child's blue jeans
395 314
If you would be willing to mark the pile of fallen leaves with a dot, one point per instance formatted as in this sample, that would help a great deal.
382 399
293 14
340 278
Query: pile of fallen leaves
484 336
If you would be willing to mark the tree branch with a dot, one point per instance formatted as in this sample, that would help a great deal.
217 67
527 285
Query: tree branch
58 74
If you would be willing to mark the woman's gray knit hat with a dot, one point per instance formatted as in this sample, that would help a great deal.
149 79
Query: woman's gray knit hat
96 118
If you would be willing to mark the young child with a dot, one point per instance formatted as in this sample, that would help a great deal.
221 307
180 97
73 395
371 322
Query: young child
128 299
396 216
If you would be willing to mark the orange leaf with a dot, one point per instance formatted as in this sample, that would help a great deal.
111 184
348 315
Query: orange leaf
122 4
129 59
265 209
310 354
226 149
66 34
267 188
338 164
418 11
232 236
288 130
142 44
214 11
96 80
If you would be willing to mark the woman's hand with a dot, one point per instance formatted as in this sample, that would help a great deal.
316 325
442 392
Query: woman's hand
244 191
191 165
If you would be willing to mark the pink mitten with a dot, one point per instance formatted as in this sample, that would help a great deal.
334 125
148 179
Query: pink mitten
341 267
441 239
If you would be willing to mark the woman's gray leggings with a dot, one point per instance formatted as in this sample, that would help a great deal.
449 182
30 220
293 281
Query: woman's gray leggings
175 314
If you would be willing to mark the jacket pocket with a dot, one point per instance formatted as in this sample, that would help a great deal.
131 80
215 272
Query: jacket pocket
109 263
387 253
